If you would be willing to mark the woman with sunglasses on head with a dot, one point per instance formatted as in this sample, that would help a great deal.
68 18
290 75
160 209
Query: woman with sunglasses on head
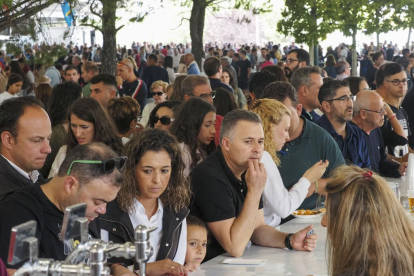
369 232
163 115
194 129
154 193
158 89
88 122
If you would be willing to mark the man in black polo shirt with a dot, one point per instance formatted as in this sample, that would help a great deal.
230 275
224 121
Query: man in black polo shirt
391 80
227 192
76 182
213 69
25 131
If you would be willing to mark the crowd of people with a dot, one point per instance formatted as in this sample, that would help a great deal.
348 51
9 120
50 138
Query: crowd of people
215 155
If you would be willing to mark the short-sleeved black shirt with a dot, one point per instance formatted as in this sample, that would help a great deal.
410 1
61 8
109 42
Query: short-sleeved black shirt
218 195
30 203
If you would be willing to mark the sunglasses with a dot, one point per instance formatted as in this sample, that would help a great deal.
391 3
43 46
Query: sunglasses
164 120
109 165
159 94
123 63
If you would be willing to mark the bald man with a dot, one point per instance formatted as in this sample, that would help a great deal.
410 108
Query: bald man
192 67
369 112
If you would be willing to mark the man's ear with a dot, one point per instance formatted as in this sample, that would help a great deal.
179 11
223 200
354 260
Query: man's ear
326 107
302 64
299 108
303 90
186 97
71 184
133 124
7 140
225 143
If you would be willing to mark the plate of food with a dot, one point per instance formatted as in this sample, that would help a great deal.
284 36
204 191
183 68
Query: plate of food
306 214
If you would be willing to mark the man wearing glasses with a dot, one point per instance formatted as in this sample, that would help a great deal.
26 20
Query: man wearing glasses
295 59
391 80
90 174
337 104
369 112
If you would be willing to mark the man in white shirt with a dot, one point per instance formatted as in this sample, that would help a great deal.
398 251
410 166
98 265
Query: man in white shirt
25 130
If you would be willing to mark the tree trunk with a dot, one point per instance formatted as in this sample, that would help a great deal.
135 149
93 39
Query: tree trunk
378 42
354 53
198 14
109 36
312 54
409 37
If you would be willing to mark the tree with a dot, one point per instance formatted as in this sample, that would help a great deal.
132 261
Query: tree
308 21
198 14
404 18
14 12
351 16
380 17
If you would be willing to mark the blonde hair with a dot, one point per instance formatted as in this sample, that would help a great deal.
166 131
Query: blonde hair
369 232
130 60
159 83
271 112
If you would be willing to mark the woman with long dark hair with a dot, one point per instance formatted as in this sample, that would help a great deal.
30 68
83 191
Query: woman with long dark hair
154 193
330 66
224 102
377 60
88 122
228 78
63 96
176 94
14 68
168 65
194 129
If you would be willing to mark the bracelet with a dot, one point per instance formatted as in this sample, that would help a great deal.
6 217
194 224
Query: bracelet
119 87
287 241
316 187
392 116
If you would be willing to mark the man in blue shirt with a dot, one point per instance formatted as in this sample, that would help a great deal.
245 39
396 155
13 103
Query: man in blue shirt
369 114
192 67
337 105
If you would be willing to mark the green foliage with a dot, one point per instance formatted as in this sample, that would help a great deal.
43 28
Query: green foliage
308 21
380 13
46 54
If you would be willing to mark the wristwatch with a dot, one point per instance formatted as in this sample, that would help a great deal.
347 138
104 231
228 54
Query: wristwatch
287 241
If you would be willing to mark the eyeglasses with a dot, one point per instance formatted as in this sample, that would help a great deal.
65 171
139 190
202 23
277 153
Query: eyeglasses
379 112
291 60
342 99
397 82
109 165
165 120
212 94
159 94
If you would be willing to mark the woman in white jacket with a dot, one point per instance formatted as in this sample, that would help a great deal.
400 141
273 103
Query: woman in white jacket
278 202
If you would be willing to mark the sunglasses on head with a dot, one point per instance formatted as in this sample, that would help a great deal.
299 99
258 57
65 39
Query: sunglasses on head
123 63
157 93
109 165
165 120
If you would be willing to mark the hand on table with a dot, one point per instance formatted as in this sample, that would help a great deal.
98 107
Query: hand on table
166 267
300 242
403 168
191 267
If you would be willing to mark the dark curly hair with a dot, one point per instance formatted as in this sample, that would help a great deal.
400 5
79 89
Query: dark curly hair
187 125
90 110
177 194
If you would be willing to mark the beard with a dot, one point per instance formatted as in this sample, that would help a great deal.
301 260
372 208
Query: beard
288 72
